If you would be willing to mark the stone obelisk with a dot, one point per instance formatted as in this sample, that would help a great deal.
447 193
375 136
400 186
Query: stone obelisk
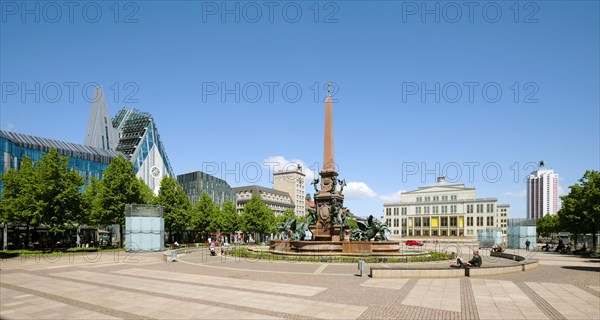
329 200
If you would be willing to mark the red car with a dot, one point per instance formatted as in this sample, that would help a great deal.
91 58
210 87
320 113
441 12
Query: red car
413 243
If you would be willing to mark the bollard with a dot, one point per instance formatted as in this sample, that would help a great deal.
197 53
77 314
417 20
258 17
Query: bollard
361 267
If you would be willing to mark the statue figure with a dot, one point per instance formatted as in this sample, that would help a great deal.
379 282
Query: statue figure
300 231
315 183
286 229
311 217
342 185
370 229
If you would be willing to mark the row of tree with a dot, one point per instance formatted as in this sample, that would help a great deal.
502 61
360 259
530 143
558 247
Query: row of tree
580 211
49 193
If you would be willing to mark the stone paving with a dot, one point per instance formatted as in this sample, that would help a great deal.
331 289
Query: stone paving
197 286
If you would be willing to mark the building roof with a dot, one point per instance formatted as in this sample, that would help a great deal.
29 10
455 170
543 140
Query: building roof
257 190
63 148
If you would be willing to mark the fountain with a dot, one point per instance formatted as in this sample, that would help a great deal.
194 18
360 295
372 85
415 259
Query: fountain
326 230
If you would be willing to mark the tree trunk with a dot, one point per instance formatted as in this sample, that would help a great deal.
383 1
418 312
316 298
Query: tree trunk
27 237
122 235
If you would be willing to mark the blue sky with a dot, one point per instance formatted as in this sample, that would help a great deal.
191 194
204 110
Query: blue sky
415 97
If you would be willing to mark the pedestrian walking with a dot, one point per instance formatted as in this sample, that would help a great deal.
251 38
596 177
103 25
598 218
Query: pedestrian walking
527 243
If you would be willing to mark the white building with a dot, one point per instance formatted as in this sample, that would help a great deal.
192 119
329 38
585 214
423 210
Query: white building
542 192
292 182
444 210
276 200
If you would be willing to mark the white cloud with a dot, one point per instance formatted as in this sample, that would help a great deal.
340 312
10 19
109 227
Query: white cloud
277 163
518 194
392 197
358 191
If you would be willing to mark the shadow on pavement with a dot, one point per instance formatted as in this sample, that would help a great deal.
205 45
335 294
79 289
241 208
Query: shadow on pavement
593 269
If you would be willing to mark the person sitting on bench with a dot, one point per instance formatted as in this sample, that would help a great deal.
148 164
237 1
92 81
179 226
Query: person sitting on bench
473 263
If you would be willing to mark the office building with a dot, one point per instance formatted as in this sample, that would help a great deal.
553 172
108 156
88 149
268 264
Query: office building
276 200
196 183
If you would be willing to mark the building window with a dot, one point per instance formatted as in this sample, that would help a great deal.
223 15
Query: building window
469 208
444 198
469 221
396 224
444 221
417 222
426 222
453 209
436 198
419 199
435 209
490 221
479 221
453 221
435 233
404 222
453 197
426 210
490 207
418 210
388 211
480 208
396 211
444 233
444 209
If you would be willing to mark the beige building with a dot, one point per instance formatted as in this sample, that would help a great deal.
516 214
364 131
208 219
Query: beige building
444 210
292 182
276 200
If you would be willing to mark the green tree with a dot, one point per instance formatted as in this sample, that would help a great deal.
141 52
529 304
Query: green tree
580 212
257 217
547 225
177 206
19 198
59 199
204 213
230 220
118 188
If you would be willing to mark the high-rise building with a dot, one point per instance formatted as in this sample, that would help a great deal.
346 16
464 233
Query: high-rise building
292 182
542 192
445 210
196 183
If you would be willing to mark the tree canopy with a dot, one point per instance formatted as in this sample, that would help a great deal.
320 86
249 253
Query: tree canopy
580 212
177 206
257 217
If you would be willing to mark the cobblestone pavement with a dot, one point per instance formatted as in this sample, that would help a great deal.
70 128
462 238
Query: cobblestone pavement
197 286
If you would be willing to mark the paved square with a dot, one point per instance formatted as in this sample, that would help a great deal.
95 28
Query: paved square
142 286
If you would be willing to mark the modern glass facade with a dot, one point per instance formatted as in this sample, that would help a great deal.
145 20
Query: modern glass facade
140 142
87 161
195 183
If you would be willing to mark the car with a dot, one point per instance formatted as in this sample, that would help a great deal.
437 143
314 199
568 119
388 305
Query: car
413 243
